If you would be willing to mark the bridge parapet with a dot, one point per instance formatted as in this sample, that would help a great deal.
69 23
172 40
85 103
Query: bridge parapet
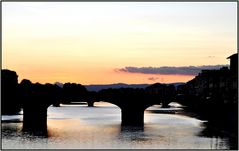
132 103
128 97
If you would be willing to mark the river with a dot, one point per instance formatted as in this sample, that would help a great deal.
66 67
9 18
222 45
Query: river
82 127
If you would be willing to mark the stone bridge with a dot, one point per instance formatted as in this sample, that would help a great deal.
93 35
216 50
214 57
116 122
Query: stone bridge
132 103
36 98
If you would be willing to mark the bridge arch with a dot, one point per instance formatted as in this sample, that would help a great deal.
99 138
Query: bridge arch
132 114
132 103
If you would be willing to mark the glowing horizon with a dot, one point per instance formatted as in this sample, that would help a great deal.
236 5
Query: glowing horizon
84 42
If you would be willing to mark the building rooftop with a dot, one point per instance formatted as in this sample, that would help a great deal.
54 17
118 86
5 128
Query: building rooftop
232 56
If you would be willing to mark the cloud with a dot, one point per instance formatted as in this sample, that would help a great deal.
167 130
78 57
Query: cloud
184 70
153 78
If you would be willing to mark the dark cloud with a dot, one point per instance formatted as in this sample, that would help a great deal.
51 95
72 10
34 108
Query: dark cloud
184 70
153 78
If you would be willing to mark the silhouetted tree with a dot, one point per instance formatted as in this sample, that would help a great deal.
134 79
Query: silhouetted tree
73 92
162 93
57 92
10 101
25 91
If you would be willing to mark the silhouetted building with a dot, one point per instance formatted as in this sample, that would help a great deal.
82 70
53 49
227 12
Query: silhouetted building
233 78
233 62
217 85
213 95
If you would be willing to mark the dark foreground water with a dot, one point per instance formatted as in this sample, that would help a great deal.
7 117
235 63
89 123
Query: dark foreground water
79 126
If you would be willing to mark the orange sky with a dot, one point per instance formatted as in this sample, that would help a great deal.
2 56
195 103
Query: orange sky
86 42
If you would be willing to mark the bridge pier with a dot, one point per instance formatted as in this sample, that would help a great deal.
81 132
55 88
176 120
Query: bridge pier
90 103
35 120
56 104
131 117
165 103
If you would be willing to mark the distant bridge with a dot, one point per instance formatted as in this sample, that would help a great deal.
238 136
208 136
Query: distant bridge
132 103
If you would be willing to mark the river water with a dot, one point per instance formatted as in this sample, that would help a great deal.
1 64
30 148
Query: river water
79 126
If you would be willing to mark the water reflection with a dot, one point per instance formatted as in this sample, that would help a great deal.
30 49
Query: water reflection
216 135
82 127
132 133
11 129
132 129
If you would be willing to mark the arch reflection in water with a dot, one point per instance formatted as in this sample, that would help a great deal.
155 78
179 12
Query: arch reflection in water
100 127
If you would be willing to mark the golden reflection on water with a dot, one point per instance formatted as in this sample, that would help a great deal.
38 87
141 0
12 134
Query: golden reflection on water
100 127
77 131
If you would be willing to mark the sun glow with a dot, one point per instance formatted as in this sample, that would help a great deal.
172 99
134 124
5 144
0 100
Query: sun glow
85 42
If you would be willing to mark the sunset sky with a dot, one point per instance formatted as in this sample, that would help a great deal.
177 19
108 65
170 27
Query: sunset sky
116 42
